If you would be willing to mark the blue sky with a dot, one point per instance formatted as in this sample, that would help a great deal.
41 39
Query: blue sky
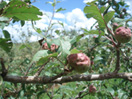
69 5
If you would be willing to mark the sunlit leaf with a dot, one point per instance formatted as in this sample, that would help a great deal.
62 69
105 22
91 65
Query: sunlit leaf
94 32
60 9
77 38
22 11
92 11
38 30
111 90
64 48
43 60
102 9
98 58
57 31
74 51
109 16
40 54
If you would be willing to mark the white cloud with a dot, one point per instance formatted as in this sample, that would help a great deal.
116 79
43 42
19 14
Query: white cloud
59 15
85 1
34 38
130 6
77 18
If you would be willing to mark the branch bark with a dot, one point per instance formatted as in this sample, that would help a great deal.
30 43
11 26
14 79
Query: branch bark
66 79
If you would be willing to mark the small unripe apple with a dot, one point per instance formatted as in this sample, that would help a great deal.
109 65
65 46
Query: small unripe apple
79 62
92 89
53 47
45 46
123 34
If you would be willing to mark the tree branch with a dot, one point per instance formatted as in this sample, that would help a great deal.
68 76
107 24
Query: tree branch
65 79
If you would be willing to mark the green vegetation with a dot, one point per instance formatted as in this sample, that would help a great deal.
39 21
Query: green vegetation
30 71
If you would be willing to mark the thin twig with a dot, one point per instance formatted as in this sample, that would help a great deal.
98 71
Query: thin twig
111 39
40 69
59 61
49 96
29 69
4 70
118 59
53 13
81 92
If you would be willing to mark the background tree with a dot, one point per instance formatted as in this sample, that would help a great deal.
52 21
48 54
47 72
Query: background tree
31 70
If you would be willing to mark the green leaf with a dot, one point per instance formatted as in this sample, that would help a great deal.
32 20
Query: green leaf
21 11
2 4
97 58
109 16
61 24
45 59
6 44
38 30
42 60
22 93
22 22
53 41
101 33
77 38
24 46
93 2
1 80
60 9
40 54
65 46
120 21
6 34
120 93
92 11
57 31
74 51
102 9
111 90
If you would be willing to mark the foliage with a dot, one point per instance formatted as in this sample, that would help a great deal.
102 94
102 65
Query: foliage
28 59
